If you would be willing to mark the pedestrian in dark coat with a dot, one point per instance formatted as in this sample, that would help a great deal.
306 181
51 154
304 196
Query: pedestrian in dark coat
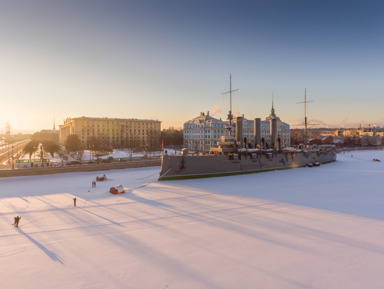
74 202
17 220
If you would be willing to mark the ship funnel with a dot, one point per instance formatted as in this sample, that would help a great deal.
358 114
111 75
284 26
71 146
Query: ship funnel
273 125
257 131
239 131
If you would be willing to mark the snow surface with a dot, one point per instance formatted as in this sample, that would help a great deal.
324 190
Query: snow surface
319 227
121 154
87 156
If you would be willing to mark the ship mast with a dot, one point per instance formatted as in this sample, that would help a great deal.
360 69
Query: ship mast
305 117
230 116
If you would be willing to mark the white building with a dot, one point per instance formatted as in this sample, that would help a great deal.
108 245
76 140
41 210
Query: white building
203 132
283 130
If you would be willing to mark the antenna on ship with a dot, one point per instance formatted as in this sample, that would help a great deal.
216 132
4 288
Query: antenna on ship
230 116
305 117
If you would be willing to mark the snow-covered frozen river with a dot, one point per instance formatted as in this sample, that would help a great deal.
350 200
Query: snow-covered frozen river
318 227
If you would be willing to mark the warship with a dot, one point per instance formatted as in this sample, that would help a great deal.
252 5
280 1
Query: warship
234 157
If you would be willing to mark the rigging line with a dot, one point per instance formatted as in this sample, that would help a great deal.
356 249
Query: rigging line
167 172
141 186
147 176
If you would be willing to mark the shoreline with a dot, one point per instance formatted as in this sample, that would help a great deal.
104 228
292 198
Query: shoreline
79 168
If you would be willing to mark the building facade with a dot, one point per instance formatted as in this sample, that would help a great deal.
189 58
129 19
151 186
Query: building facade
366 136
283 130
113 132
203 132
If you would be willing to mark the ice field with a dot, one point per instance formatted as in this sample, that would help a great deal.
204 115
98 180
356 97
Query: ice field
319 227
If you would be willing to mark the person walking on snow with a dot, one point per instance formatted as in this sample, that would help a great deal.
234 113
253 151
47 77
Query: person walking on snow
17 220
74 202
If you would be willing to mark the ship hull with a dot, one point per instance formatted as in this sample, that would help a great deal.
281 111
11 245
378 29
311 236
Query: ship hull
205 166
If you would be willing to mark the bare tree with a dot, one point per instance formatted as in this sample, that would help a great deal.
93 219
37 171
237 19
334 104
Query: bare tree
31 147
73 143
50 146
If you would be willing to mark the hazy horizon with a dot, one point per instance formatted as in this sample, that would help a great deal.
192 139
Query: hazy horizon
171 60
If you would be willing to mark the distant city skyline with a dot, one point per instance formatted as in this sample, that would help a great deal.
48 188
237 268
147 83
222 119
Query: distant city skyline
171 60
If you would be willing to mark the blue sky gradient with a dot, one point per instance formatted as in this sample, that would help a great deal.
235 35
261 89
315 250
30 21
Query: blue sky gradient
169 60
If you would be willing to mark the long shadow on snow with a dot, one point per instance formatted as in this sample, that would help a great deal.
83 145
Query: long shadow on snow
328 187
49 253
302 230
134 197
99 216
159 258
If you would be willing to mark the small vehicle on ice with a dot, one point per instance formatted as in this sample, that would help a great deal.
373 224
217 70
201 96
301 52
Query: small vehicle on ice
101 178
118 189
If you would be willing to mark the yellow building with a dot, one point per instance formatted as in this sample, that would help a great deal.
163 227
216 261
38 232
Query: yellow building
113 132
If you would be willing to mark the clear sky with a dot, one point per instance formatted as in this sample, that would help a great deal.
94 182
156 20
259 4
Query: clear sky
170 60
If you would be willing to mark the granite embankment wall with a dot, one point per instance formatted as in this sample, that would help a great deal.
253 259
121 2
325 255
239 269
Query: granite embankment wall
79 168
